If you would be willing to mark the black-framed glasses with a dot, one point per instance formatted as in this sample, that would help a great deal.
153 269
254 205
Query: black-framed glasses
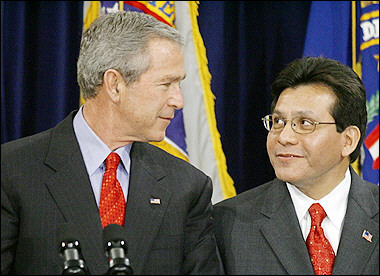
301 125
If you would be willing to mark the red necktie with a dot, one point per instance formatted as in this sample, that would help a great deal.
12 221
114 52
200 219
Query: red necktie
320 250
112 201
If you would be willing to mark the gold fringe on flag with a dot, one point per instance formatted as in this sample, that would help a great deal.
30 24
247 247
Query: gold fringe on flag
226 181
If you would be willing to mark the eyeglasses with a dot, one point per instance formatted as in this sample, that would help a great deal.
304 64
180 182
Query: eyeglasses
300 125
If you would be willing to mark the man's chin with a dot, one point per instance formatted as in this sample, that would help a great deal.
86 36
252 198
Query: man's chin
157 138
286 175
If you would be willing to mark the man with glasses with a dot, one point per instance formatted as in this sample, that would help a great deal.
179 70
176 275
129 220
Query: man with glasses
318 216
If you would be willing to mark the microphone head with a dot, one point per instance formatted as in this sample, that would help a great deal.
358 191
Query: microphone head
66 232
70 251
114 233
115 248
66 236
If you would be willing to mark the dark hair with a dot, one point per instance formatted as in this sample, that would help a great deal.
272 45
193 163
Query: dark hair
350 105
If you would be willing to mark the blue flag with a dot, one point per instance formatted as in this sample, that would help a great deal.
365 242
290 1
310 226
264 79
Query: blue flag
366 63
329 31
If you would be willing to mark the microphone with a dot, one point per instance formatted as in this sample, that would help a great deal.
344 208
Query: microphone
116 250
70 252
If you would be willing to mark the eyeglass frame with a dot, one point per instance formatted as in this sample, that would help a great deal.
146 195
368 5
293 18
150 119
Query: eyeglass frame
266 119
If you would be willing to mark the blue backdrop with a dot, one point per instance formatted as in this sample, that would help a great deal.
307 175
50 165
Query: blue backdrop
247 44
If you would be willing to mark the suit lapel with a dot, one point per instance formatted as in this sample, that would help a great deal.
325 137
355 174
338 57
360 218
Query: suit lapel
143 218
361 209
283 232
71 189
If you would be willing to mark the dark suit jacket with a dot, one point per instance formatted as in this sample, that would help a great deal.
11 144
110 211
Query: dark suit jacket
258 232
44 183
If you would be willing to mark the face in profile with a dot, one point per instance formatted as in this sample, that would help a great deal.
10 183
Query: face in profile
147 106
304 159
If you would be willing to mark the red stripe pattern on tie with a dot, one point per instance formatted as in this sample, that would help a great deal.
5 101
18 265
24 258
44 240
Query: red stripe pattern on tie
112 201
320 250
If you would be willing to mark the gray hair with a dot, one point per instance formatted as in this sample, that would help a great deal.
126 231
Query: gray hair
119 40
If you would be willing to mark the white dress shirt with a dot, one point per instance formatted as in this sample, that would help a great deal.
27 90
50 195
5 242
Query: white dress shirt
335 205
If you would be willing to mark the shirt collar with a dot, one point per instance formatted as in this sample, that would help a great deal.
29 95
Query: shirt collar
94 150
334 203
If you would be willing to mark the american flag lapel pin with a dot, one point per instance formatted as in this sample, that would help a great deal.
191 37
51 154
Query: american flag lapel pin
155 201
367 235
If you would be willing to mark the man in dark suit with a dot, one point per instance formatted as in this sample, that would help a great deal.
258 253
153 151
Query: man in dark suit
316 129
129 71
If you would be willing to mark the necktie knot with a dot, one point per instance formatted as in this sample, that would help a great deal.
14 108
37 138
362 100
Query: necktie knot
112 161
317 214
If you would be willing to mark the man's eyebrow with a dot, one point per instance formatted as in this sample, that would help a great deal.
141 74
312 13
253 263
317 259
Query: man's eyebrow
173 78
305 113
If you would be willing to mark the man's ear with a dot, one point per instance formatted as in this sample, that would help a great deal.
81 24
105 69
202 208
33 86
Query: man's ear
111 80
351 139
